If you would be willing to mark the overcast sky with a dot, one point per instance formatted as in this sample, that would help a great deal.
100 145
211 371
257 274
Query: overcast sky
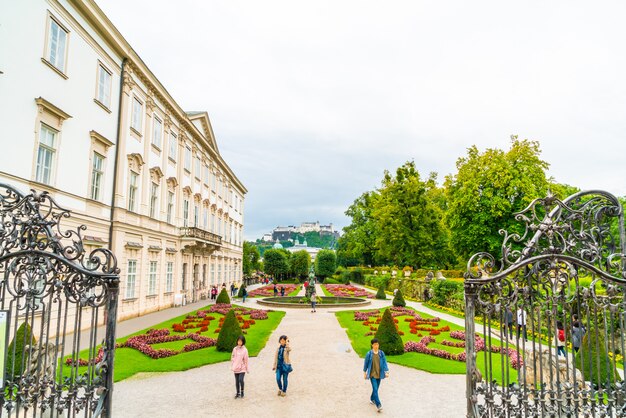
311 101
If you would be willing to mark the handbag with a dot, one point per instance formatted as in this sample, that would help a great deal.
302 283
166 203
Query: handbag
287 368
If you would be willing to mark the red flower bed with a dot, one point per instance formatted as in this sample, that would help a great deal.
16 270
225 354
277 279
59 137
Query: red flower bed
349 291
268 290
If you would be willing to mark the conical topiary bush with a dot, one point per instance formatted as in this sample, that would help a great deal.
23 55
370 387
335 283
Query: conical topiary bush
223 297
227 338
398 300
388 336
23 337
241 289
593 360
381 293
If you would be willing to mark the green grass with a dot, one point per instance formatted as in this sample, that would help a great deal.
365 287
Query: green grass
129 361
295 292
361 345
326 292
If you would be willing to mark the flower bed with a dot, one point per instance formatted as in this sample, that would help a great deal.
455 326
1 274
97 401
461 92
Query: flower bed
190 328
348 291
267 291
431 328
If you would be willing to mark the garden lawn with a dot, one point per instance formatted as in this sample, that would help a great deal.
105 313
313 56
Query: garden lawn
326 292
361 344
129 361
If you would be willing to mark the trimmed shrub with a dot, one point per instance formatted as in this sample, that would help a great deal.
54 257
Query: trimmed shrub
23 337
398 300
381 293
230 331
598 367
357 276
241 289
388 336
223 297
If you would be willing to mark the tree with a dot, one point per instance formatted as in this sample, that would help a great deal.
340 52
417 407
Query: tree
242 289
380 294
410 228
275 263
398 299
388 336
299 263
325 263
487 190
593 360
223 297
23 337
230 331
357 245
251 257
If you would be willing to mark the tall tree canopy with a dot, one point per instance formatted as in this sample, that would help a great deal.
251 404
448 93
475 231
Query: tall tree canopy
251 258
275 262
487 190
325 263
357 245
299 263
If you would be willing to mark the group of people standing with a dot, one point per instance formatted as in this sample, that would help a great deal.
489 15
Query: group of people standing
375 367
518 321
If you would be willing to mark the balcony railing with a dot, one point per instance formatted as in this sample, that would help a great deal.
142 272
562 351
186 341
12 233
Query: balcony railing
193 232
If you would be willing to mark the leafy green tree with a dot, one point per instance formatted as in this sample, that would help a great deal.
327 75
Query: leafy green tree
357 245
223 297
410 228
487 190
230 331
251 257
275 263
325 263
299 263
388 337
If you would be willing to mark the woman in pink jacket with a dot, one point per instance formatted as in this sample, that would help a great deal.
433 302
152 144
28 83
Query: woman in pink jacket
239 364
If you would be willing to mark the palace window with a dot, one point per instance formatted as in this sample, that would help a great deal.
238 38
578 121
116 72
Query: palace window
132 191
173 146
154 194
131 276
152 278
97 174
137 116
46 154
103 94
169 277
157 132
57 45
186 212
170 207
188 158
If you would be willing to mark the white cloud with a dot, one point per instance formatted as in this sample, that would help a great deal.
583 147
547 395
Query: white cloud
311 101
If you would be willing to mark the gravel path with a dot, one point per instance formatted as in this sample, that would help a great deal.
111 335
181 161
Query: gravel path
327 382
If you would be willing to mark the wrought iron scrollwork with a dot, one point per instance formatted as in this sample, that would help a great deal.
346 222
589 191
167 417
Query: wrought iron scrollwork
56 294
555 302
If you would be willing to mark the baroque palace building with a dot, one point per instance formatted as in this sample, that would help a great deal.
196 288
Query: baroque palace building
86 120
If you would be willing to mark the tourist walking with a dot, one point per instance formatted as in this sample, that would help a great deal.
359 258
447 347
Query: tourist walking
282 290
275 290
282 365
560 338
521 323
578 332
509 323
214 293
375 369
313 301
232 289
239 364
244 295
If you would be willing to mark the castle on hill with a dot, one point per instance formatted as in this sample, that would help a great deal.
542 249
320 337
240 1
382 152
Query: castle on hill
286 233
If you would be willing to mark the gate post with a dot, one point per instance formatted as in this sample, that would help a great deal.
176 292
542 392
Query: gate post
470 352
111 322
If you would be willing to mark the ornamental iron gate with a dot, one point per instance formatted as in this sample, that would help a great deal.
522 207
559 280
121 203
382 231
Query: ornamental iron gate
57 302
545 324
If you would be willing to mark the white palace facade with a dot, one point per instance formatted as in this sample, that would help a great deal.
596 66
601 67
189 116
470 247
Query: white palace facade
86 120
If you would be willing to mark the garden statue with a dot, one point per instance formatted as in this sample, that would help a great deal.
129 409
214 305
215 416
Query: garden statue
429 276
311 287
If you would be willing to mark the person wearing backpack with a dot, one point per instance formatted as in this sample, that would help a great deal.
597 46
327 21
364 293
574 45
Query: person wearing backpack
560 340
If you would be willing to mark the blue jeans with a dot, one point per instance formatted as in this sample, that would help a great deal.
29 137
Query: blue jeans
375 386
279 374
244 298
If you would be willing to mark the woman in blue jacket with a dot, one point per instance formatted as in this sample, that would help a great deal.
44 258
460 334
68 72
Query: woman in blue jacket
375 369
